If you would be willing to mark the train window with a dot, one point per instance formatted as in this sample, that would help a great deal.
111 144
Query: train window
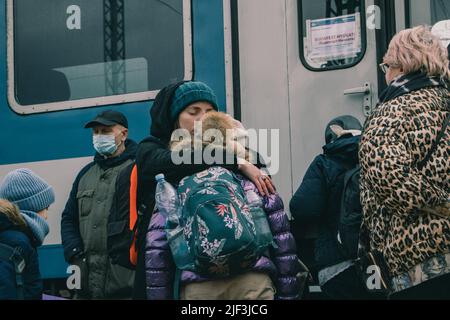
331 33
79 53
427 12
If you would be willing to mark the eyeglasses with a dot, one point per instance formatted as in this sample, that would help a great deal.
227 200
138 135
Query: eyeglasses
384 67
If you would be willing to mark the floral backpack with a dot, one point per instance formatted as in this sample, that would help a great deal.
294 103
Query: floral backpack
225 236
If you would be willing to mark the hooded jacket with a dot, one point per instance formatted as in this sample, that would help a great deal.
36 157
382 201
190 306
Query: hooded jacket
12 236
317 200
84 224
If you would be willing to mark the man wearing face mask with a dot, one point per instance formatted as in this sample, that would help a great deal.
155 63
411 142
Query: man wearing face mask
85 217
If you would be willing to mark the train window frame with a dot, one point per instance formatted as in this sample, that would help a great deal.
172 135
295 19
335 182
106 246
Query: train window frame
96 101
301 41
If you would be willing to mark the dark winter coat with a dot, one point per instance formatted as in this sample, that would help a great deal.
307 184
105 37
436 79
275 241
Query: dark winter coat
84 225
11 236
317 200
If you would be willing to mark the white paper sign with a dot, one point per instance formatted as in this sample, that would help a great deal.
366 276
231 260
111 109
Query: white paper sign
334 38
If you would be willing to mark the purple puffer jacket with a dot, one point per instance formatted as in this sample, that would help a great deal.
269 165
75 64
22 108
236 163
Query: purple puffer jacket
283 266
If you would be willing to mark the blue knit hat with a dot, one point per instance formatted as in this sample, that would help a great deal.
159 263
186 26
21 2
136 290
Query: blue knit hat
188 93
27 190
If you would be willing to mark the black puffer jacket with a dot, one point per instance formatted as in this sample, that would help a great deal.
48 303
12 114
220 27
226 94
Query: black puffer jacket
317 200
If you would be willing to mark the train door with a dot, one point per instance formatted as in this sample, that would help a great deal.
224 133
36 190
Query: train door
303 63
333 57
332 67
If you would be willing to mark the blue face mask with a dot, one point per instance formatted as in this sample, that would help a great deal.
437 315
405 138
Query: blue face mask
105 144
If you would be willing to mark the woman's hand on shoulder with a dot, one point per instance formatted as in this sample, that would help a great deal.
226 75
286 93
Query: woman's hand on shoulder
262 181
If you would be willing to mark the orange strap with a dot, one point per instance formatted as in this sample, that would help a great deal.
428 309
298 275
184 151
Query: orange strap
133 213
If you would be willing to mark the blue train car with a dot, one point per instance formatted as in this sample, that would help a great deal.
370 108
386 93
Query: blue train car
63 62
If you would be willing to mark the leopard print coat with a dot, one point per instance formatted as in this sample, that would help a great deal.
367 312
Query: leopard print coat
397 136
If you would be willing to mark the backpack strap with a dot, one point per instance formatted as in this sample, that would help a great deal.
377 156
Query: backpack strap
14 255
435 145
177 284
349 174
347 178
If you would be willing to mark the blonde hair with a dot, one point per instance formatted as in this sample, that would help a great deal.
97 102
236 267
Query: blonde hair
12 212
233 133
418 49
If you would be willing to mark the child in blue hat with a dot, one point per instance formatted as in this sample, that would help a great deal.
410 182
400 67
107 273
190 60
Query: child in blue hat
25 199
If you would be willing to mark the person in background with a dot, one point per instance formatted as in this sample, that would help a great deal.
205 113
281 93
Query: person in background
24 202
85 217
318 202
405 165
176 106
273 276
